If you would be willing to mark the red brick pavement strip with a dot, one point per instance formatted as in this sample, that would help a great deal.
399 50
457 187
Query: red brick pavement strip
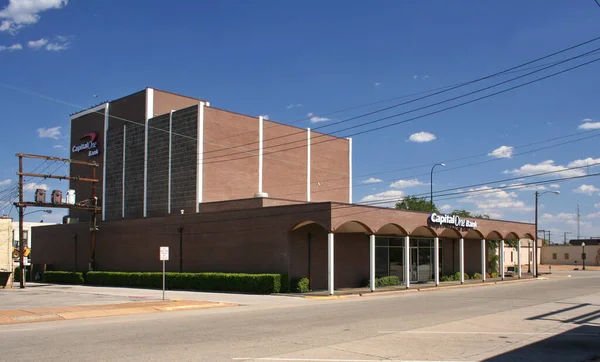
106 310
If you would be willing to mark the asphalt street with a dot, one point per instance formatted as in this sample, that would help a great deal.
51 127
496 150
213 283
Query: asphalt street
557 319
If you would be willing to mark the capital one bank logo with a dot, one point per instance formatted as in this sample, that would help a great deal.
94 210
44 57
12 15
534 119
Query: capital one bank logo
91 145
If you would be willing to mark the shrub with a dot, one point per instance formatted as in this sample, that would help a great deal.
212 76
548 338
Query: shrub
17 274
218 282
494 275
467 276
477 276
63 277
448 278
386 281
300 285
457 276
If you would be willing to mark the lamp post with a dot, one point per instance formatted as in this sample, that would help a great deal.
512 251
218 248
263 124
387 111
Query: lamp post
431 182
535 243
583 254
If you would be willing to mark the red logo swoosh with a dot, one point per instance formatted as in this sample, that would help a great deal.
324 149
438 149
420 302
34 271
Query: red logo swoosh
93 136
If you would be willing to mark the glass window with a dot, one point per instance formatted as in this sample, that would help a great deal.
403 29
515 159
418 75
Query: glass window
566 256
396 255
381 262
426 243
554 256
379 241
396 241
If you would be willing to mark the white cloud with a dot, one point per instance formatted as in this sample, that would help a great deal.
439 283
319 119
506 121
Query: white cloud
377 84
563 216
390 196
314 118
265 116
597 206
581 223
5 182
493 201
588 124
594 215
56 47
32 186
421 137
58 146
11 48
521 187
37 44
555 186
401 184
502 152
298 105
20 13
585 162
548 166
445 208
53 132
372 180
586 189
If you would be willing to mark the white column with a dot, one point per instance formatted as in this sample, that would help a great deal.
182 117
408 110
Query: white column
106 116
533 257
502 259
170 163
330 264
308 164
260 154
461 258
483 247
149 114
372 262
436 261
200 157
123 176
407 262
349 170
519 258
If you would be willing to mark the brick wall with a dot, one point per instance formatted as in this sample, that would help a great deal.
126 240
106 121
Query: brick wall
114 174
158 165
134 171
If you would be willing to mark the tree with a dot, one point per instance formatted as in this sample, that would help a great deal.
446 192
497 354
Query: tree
414 203
465 213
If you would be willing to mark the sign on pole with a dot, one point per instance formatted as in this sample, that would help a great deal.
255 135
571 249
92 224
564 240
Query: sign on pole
164 255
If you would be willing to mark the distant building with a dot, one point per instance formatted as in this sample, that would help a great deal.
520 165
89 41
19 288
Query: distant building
587 241
27 235
6 265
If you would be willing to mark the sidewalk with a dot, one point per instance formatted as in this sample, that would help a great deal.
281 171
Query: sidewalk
104 310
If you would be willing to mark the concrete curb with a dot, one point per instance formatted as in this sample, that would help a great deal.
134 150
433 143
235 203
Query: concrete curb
102 310
416 290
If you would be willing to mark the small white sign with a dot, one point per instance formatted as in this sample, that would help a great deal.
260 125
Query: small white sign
164 253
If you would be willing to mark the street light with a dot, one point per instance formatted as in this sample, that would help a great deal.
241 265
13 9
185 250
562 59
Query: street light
535 242
583 254
431 182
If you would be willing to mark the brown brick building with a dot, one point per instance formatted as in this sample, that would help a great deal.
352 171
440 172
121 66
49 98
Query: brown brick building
257 196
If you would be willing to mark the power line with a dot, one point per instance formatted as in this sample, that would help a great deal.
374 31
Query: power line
424 115
450 88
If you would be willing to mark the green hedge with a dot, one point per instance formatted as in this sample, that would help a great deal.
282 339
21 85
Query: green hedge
63 277
384 282
17 274
300 285
221 282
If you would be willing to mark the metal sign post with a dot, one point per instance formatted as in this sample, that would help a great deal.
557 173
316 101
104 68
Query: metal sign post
164 256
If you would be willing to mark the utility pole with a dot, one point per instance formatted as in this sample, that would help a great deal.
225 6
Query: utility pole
578 218
566 232
21 242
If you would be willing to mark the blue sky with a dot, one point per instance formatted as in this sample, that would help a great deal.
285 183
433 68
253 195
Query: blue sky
295 58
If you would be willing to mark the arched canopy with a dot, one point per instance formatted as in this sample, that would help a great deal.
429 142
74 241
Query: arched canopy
511 236
474 234
307 222
423 231
528 236
450 233
493 235
391 229
353 227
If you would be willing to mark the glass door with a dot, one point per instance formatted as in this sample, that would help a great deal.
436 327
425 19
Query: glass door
425 264
414 262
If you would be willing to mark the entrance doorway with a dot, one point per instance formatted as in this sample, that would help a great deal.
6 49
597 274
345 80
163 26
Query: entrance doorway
389 258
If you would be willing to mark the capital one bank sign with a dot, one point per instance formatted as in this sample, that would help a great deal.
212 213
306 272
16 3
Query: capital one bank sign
90 145
451 220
